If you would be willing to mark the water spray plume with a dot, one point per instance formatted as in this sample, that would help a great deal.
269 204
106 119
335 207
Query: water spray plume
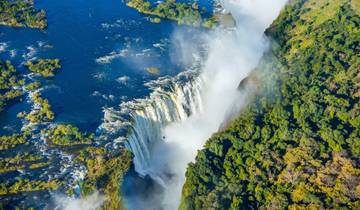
170 128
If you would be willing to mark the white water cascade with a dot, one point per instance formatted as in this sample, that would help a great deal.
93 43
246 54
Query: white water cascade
165 130
138 123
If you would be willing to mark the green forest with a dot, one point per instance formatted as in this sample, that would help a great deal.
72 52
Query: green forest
44 67
297 143
20 13
10 84
187 13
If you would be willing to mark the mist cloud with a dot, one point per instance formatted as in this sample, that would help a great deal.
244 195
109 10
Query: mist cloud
91 202
231 57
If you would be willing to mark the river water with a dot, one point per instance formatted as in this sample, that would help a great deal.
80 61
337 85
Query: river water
104 48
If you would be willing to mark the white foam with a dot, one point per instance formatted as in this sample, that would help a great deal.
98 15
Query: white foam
3 46
123 80
111 56
30 54
13 53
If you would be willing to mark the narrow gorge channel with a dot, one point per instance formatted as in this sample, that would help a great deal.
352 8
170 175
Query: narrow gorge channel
165 130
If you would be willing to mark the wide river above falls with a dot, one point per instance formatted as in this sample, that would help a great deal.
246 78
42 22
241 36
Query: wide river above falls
104 48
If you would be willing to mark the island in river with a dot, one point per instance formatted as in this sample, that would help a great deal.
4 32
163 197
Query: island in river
20 13
18 152
183 13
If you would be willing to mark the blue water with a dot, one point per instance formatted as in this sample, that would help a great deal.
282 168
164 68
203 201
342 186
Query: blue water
81 33
78 33
77 37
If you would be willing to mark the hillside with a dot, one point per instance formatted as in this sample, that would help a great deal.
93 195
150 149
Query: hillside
297 144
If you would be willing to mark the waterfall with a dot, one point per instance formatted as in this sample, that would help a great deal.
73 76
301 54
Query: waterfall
138 124
188 109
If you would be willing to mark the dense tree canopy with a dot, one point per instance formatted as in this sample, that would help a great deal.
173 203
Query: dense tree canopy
21 13
44 67
9 84
297 145
187 13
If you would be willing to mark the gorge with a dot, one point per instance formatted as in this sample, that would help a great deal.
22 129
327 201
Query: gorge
177 104
170 126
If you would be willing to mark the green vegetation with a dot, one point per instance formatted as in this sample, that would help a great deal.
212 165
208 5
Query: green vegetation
42 111
155 20
21 13
182 13
67 135
153 70
296 146
38 165
11 88
33 86
18 162
25 185
9 84
44 67
8 168
9 142
22 157
60 135
105 174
